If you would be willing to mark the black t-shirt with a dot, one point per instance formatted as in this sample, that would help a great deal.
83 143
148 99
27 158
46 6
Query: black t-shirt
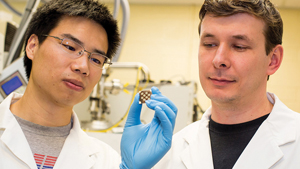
229 141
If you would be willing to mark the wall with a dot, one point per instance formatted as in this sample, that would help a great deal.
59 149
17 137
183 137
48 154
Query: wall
165 38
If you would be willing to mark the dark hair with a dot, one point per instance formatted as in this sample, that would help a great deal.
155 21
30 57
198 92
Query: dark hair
49 15
262 9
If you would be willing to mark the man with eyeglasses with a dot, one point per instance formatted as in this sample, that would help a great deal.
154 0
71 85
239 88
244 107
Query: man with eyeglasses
67 44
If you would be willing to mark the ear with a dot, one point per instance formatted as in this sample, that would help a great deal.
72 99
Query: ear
276 56
32 46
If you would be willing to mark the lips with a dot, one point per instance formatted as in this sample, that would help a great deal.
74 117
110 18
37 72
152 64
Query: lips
221 81
74 84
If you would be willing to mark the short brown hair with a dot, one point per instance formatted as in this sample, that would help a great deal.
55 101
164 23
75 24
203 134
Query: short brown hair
262 9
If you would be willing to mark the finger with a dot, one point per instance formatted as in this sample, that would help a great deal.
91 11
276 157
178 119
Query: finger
164 99
134 113
157 95
155 90
171 115
165 123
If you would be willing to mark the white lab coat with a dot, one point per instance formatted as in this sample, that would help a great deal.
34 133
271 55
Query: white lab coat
79 150
275 145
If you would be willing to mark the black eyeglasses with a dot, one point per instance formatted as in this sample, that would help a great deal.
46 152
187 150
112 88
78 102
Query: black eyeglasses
76 50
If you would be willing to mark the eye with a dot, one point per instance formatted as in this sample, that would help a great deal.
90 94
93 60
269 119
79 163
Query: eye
97 59
240 47
209 45
69 47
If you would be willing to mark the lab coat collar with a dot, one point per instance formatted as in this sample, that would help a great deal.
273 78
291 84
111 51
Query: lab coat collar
5 105
192 156
12 135
263 151
78 147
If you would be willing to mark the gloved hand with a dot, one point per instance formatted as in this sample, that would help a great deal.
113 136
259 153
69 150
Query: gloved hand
143 145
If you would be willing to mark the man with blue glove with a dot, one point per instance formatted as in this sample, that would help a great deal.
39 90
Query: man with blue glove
67 44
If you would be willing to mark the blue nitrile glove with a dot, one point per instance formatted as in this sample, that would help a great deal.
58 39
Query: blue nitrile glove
143 145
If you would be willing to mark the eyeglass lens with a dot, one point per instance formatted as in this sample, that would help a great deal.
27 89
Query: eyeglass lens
76 50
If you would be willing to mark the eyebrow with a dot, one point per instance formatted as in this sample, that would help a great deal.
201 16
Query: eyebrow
242 37
69 36
238 37
208 35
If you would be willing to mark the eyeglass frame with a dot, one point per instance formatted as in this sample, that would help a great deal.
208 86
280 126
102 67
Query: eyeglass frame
106 61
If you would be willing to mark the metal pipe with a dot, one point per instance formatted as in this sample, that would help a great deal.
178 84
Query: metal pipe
17 44
116 9
126 15
130 65
101 94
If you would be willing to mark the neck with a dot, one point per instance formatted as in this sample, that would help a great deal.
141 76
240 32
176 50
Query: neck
40 110
241 111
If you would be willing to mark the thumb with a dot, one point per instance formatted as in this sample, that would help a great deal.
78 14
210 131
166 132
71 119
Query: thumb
134 113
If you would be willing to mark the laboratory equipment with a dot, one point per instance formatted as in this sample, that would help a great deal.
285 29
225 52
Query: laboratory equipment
13 79
181 94
99 106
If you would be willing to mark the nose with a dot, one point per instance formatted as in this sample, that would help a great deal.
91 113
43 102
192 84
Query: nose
81 64
221 59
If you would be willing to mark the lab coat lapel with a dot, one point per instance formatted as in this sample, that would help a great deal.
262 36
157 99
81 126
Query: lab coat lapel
198 152
263 151
13 136
78 149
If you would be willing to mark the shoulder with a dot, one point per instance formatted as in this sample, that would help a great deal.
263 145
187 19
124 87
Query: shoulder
281 112
283 123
